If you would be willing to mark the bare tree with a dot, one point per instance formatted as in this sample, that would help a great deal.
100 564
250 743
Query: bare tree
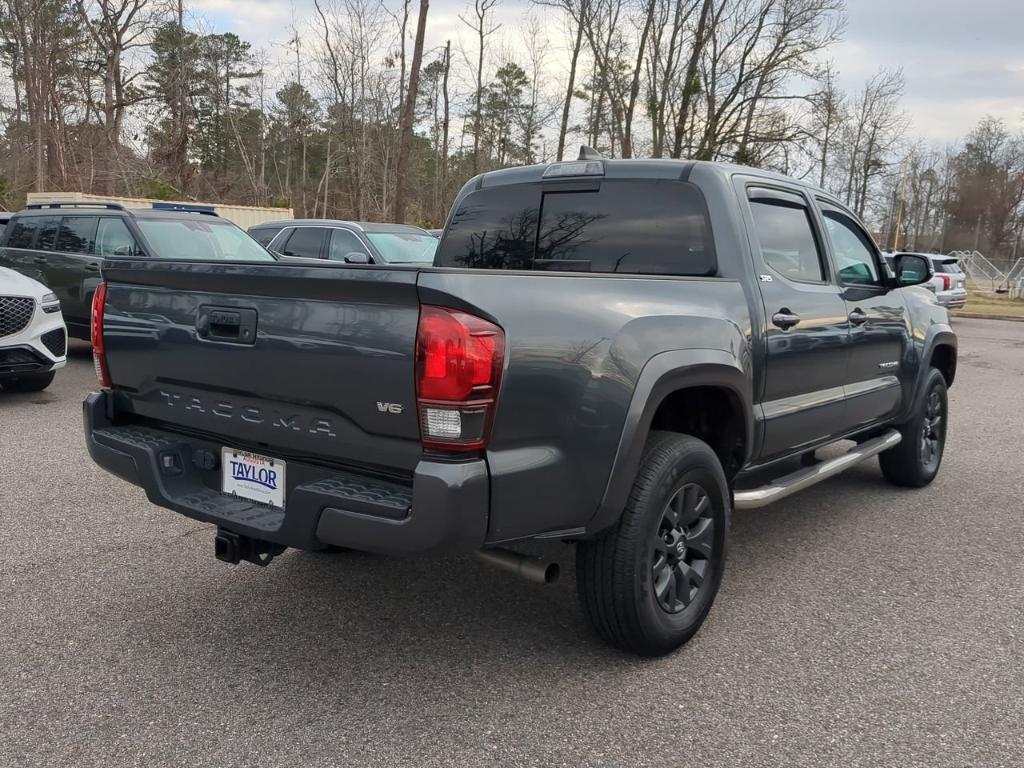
828 111
408 117
689 77
875 125
576 13
483 30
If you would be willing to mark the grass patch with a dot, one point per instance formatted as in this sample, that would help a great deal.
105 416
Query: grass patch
991 304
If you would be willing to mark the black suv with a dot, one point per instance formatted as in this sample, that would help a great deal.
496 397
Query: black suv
63 244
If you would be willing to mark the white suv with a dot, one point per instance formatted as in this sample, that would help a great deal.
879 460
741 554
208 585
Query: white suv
948 282
33 339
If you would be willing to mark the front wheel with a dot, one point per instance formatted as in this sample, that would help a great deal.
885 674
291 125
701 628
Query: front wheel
915 460
32 382
648 583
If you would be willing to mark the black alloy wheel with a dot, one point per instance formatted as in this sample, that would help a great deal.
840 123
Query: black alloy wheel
682 548
933 432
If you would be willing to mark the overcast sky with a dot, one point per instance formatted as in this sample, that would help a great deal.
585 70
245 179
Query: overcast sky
962 59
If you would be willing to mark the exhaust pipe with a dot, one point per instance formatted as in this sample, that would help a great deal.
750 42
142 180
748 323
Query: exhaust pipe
530 568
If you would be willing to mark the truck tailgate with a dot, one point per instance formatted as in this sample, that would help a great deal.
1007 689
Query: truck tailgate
314 360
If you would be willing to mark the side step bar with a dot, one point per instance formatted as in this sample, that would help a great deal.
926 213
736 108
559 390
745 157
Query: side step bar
805 478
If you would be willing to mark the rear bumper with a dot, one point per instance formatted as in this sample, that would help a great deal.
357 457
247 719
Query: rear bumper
952 299
444 507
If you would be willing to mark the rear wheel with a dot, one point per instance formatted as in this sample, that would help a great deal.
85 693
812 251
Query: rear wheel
915 461
648 583
32 382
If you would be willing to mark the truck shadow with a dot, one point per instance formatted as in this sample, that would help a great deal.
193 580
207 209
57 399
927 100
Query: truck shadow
388 629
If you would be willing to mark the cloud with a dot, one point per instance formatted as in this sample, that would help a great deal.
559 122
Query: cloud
961 62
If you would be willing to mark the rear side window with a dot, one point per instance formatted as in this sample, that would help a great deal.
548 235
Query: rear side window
305 241
46 240
264 235
77 234
652 227
782 223
23 232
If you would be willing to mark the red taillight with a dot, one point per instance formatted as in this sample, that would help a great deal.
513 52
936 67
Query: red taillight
947 282
458 370
99 353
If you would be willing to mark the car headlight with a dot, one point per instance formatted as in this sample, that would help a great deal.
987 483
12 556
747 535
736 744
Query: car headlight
50 303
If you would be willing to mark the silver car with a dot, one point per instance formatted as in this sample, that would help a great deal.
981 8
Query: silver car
948 281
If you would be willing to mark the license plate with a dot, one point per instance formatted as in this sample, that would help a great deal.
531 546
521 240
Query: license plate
253 477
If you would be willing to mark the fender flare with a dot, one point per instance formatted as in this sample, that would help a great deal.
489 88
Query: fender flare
938 335
664 374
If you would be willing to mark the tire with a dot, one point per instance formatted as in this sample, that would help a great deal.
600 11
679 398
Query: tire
915 461
34 382
621 576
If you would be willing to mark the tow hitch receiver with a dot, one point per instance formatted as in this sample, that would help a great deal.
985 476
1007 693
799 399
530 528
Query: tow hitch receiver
233 548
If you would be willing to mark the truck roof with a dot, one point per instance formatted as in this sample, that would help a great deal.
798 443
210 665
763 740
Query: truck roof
658 168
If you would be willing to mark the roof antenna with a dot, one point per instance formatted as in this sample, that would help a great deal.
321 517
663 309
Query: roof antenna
589 153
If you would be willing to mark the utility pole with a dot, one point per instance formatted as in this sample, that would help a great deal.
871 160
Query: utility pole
899 214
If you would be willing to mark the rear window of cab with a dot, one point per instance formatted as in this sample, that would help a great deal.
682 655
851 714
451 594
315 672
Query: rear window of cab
645 227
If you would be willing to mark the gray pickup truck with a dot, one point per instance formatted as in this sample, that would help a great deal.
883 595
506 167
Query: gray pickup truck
611 353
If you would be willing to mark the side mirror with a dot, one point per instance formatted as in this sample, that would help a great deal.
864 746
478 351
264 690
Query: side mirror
911 270
356 257
124 250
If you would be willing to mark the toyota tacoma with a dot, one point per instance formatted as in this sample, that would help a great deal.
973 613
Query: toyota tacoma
612 353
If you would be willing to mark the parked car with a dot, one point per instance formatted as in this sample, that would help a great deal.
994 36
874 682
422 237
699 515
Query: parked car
948 282
33 339
348 241
63 244
613 353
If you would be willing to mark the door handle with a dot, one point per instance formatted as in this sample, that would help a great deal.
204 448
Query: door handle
785 319
40 259
858 316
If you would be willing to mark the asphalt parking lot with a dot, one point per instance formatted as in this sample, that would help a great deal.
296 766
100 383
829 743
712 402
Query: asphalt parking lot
858 625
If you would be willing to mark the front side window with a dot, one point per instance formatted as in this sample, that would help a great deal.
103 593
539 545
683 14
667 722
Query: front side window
404 247
344 243
203 238
305 241
77 234
854 253
114 239
783 226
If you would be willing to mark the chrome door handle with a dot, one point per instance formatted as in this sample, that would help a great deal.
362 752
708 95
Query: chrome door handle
785 319
858 316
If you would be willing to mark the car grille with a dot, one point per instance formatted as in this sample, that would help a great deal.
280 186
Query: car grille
56 341
15 312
